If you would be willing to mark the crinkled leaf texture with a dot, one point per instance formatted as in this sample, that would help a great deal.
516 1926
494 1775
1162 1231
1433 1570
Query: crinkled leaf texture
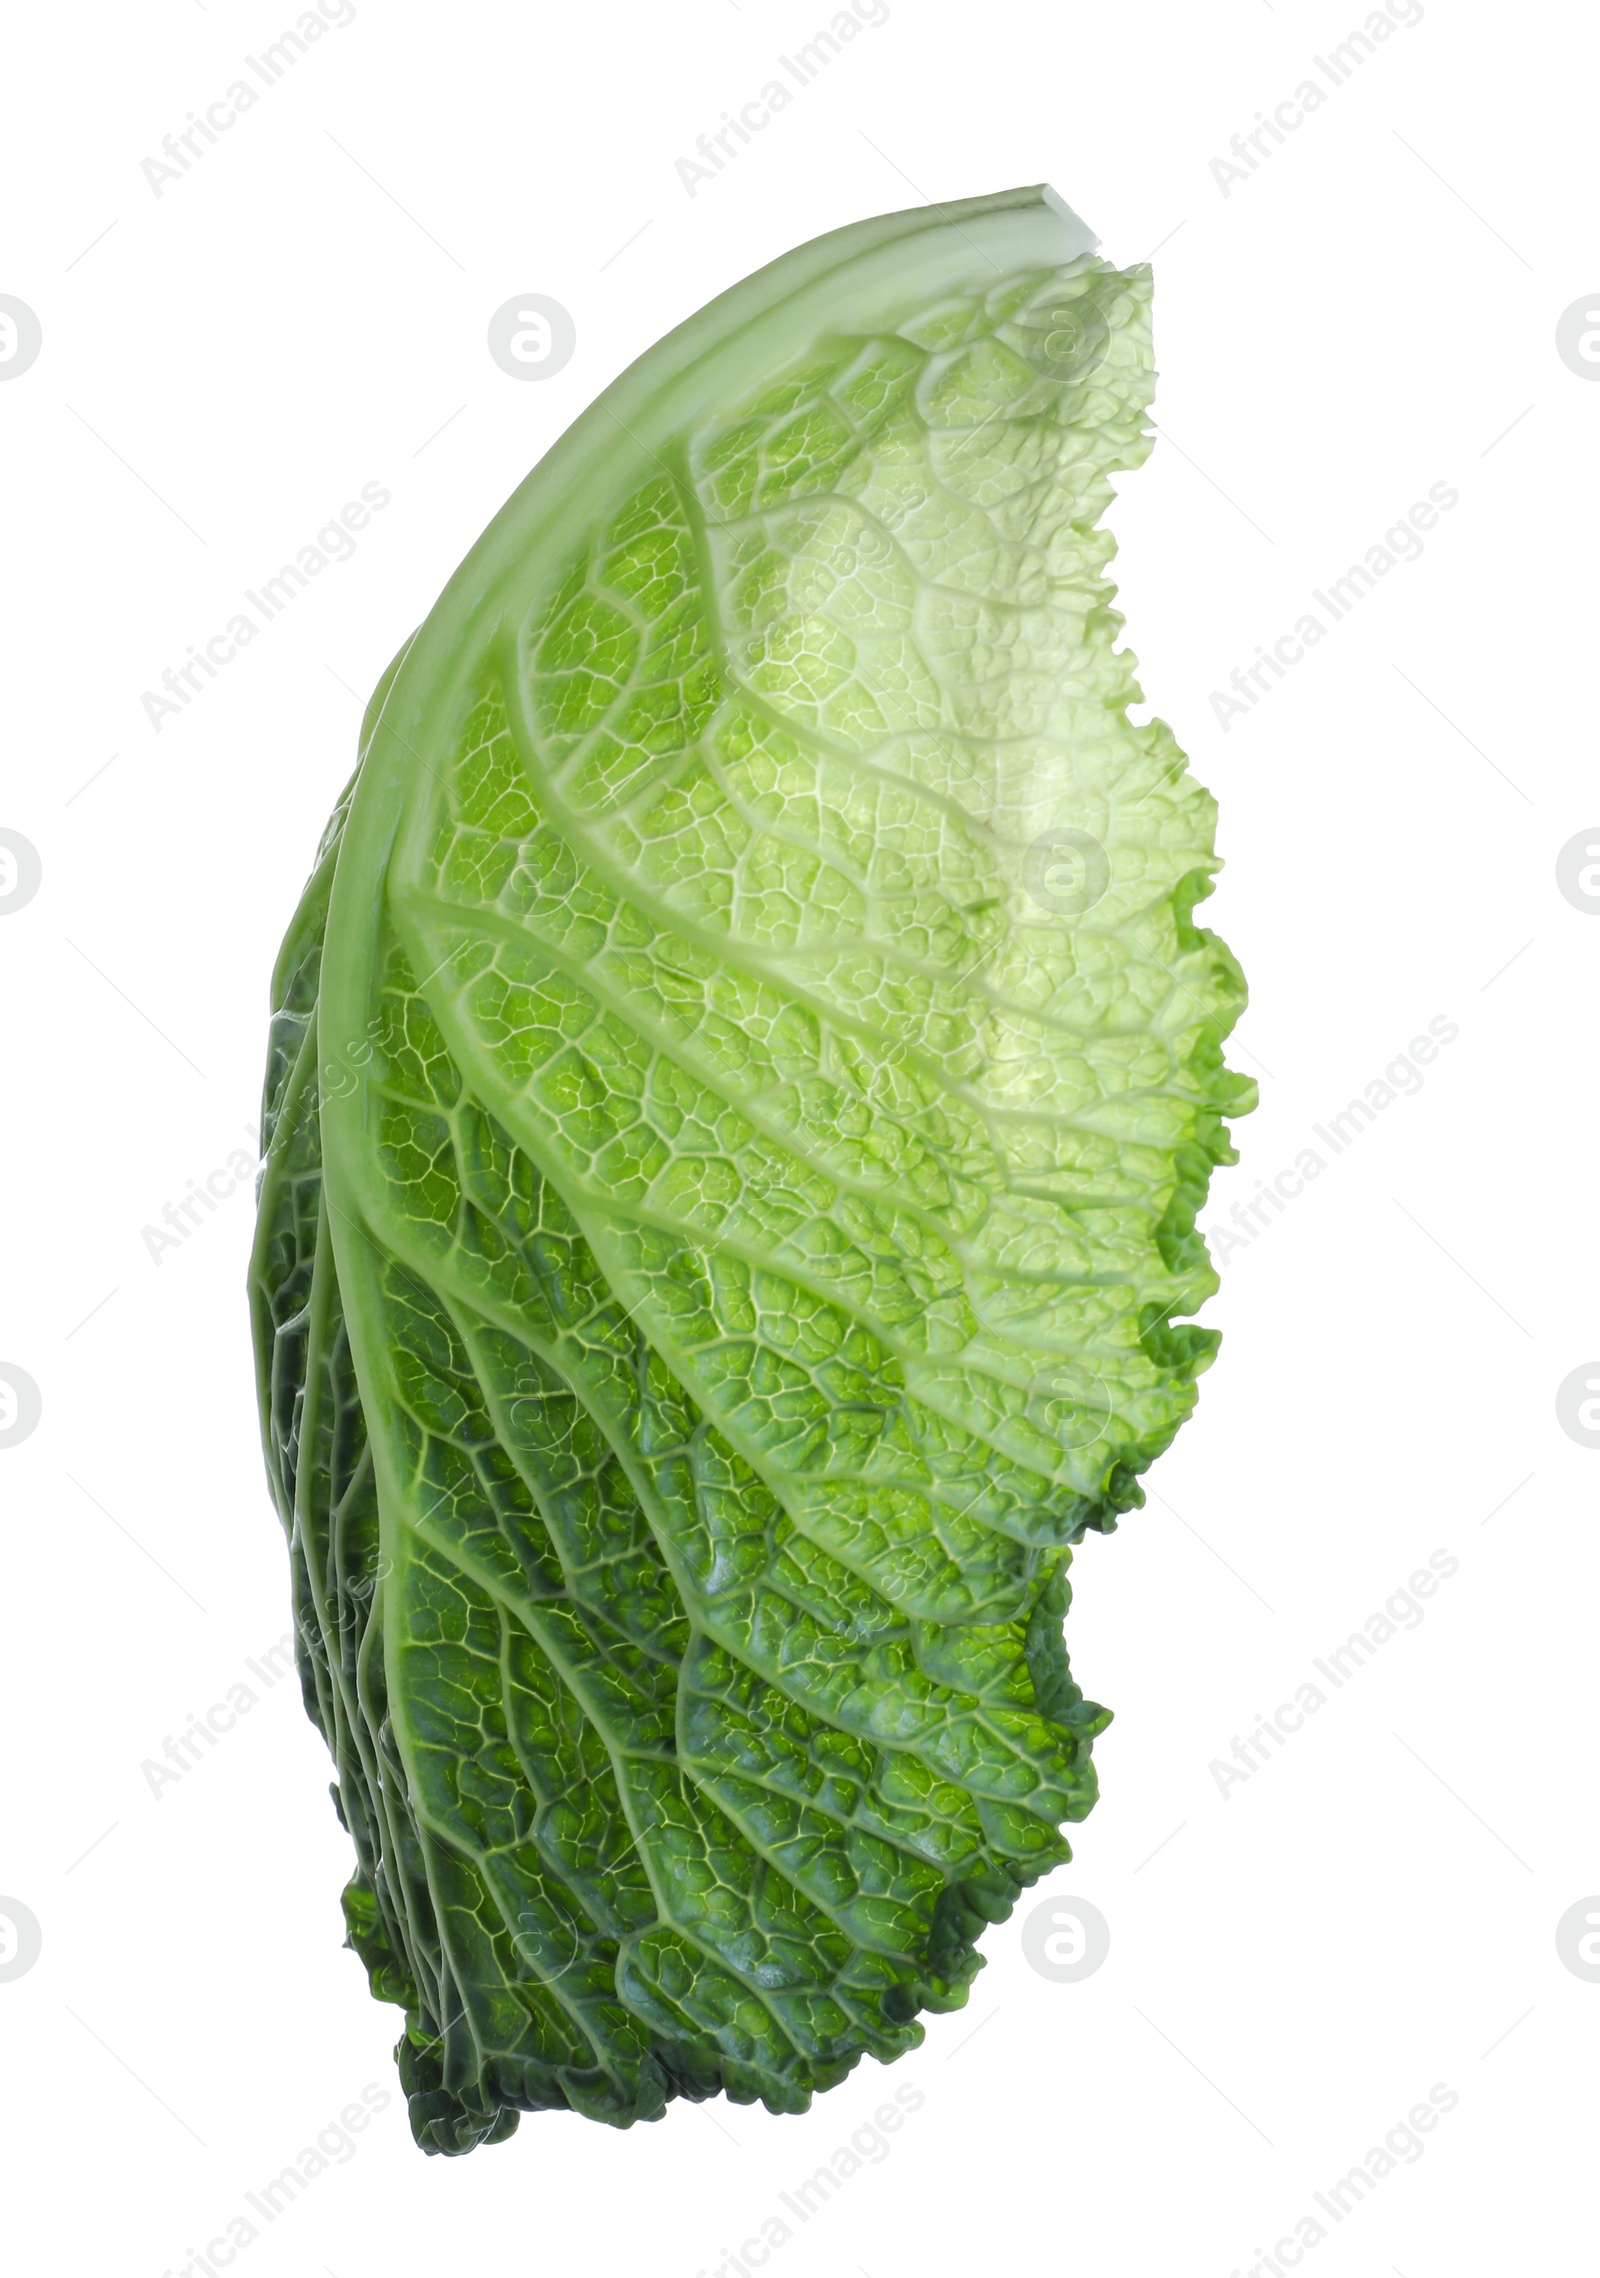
742 1079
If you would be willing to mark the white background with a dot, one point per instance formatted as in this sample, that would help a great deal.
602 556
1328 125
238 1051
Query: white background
1372 311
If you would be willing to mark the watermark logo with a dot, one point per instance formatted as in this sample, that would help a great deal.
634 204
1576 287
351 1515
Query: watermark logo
1577 865
1066 872
532 337
1070 338
1578 337
1066 1940
1577 1404
20 1939
20 872
1070 1404
1577 1939
20 1404
21 337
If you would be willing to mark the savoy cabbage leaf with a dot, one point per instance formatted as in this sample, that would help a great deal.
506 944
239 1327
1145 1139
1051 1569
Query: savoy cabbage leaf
743 1074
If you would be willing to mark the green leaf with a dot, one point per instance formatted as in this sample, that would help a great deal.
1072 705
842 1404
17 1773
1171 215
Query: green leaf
743 1076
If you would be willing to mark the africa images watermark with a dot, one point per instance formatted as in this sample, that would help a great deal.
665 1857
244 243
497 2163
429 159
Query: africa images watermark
1401 1609
869 2145
202 1733
1402 2145
724 144
335 2145
180 1219
1338 67
189 145
1401 1079
334 542
1401 542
